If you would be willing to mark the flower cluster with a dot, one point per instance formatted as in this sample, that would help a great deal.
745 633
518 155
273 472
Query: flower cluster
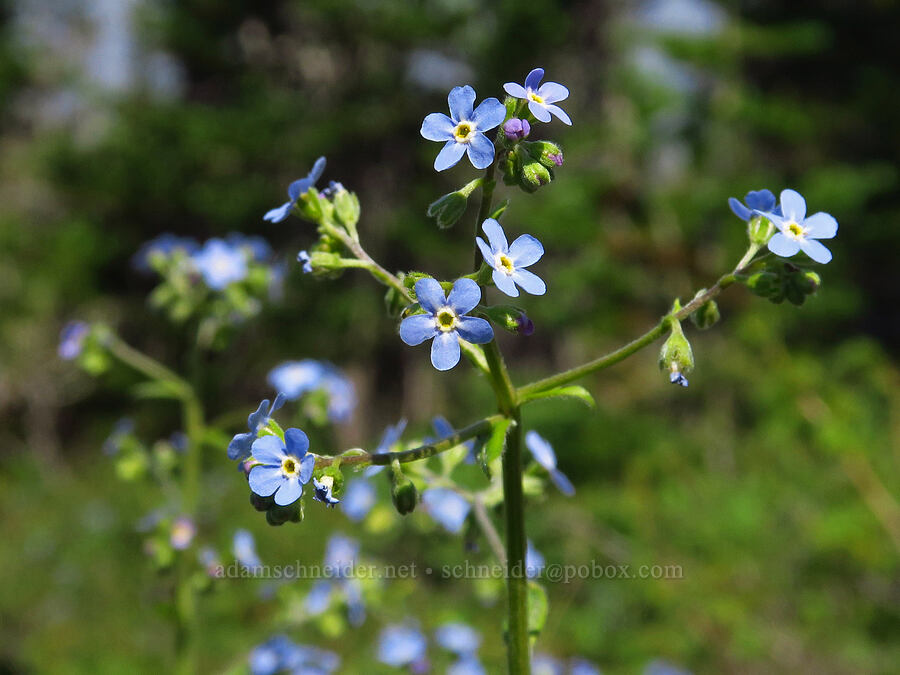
330 392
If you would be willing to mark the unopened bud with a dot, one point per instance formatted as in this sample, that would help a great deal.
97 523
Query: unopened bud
707 315
403 491
548 153
760 229
448 209
676 356
516 129
534 175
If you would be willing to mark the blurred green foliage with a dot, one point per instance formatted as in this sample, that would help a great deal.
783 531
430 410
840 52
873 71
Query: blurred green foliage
772 481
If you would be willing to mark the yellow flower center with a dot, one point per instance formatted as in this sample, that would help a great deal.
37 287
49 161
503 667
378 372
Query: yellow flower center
290 466
446 320
463 132
794 231
505 265
534 97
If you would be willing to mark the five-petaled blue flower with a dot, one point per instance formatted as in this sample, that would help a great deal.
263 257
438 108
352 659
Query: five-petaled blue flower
541 97
282 468
755 200
323 490
464 130
359 498
445 320
239 448
543 453
799 233
295 189
244 549
400 645
220 264
304 259
71 339
508 261
447 507
457 637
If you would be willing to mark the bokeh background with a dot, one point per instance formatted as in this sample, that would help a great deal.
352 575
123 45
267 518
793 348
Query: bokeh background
773 480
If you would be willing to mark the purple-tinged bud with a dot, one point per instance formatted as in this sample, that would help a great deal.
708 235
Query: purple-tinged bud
516 129
524 325
556 158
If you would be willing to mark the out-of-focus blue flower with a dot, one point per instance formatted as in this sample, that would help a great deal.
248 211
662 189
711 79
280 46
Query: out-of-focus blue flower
508 262
400 646
208 557
467 665
389 439
304 259
799 233
319 597
254 246
121 429
295 189
447 507
282 468
296 378
359 498
164 245
71 339
443 429
660 667
755 200
341 394
583 667
445 321
534 561
323 490
544 664
541 97
543 453
457 637
356 608
516 129
220 264
182 534
341 554
280 654
239 447
463 131
244 550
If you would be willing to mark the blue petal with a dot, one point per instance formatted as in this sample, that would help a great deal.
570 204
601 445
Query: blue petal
561 481
486 251
265 480
763 200
515 90
299 187
480 150
458 638
560 114
816 250
793 206
505 283
257 418
475 330
296 441
430 294
449 155
316 172
447 507
289 492
239 448
445 351
539 111
783 246
278 402
820 226
530 282
437 127
489 114
279 214
496 236
541 450
268 450
358 500
414 330
461 100
525 251
739 209
533 79
307 464
553 92
442 427
464 296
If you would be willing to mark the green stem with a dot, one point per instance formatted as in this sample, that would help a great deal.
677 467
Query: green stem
147 366
374 268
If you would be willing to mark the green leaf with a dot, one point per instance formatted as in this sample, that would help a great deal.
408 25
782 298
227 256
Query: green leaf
538 608
497 440
573 391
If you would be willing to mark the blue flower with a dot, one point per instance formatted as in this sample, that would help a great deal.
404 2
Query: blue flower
323 490
341 554
164 245
543 664
304 259
295 189
255 246
400 646
534 561
445 320
447 507
282 468
296 378
458 638
508 262
244 549
182 533
359 498
582 667
71 339
467 665
220 264
540 97
319 597
755 200
464 130
389 439
280 654
543 453
239 448
799 233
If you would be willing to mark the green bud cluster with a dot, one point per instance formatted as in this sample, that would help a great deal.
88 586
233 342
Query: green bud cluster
531 164
781 281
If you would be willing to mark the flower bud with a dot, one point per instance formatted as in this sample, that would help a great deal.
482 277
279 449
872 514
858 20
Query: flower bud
676 356
549 154
279 515
448 209
516 129
707 315
760 230
346 208
403 491
534 175
809 282
510 318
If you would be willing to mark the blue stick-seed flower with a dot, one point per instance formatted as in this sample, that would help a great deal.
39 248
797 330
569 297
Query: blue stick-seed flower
463 131
541 97
543 454
220 264
295 189
239 448
281 468
508 261
444 320
755 200
799 233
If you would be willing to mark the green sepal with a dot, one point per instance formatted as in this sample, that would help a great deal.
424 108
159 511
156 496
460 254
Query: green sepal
272 428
